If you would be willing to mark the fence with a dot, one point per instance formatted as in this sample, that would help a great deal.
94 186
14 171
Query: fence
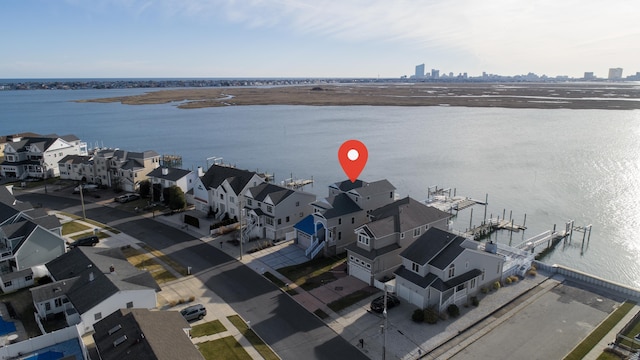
622 290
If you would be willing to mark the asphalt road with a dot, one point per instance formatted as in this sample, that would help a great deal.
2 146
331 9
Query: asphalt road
287 327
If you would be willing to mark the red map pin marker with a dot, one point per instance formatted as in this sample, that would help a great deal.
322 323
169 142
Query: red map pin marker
353 157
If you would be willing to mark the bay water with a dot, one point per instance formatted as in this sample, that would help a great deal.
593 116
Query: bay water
552 165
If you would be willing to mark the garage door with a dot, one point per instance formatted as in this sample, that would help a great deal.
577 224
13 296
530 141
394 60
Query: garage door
360 273
410 296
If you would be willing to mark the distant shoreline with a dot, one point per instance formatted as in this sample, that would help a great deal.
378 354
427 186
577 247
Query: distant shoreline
505 95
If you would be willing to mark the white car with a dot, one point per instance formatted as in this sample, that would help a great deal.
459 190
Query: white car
127 197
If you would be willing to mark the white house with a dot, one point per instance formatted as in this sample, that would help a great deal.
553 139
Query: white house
38 156
165 177
216 192
273 210
91 283
390 230
441 268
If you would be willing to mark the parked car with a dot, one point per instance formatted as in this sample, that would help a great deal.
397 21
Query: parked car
85 188
194 312
127 197
86 241
377 304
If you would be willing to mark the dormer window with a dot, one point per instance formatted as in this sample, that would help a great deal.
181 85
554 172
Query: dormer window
415 267
416 232
363 239
452 270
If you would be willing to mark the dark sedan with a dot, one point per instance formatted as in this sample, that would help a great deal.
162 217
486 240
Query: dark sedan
377 304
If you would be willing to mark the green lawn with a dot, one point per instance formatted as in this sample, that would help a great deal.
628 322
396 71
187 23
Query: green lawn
598 333
254 339
279 283
630 334
314 273
225 348
73 227
209 328
165 259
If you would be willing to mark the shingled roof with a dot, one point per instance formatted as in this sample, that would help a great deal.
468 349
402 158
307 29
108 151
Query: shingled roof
217 174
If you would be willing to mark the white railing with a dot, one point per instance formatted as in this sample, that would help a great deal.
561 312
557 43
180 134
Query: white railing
311 247
317 250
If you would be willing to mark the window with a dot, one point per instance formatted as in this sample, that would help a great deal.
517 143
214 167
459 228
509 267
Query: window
460 287
7 284
301 214
472 284
466 265
221 196
353 220
47 306
269 221
279 221
269 208
129 304
401 235
368 266
287 219
452 270
351 257
415 267
391 195
58 302
498 271
416 232
232 199
98 316
482 275
249 202
232 211
28 277
297 203
339 235
339 221
363 239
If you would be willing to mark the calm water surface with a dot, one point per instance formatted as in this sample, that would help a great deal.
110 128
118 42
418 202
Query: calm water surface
552 165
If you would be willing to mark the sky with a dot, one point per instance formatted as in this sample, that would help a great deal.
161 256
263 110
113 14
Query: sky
315 38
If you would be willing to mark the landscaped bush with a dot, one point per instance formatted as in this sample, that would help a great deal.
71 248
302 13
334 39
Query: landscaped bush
453 310
514 278
475 301
484 290
418 315
430 315
507 281
532 271
496 285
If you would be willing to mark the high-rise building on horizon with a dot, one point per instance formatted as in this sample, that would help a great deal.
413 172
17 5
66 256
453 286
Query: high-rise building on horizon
615 73
435 74
588 75
420 71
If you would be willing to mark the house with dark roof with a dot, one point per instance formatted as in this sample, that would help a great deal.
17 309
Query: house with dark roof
143 334
28 237
91 283
441 268
38 156
123 169
217 191
390 230
77 168
336 217
165 177
273 210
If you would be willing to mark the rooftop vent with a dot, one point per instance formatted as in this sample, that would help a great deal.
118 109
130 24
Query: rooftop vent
91 276
120 340
114 329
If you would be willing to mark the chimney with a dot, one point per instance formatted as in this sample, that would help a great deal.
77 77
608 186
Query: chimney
165 171
91 277
200 171
112 269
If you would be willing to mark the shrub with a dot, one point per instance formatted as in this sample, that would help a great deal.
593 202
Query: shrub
418 316
506 281
496 285
514 278
453 310
173 303
430 315
191 298
484 290
532 272
475 301
181 301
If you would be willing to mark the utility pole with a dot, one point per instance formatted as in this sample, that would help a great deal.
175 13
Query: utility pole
384 341
82 199
241 230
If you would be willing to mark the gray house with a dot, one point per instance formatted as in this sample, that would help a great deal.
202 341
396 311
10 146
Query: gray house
390 230
441 268
28 237
144 334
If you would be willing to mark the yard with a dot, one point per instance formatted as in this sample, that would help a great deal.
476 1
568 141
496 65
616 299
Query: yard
145 261
22 303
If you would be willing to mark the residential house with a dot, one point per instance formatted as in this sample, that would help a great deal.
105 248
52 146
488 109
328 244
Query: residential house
273 210
5 139
441 268
38 156
216 192
78 168
390 230
336 217
90 284
28 237
165 177
123 169
144 334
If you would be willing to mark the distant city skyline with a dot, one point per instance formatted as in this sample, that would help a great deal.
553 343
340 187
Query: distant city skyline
304 38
